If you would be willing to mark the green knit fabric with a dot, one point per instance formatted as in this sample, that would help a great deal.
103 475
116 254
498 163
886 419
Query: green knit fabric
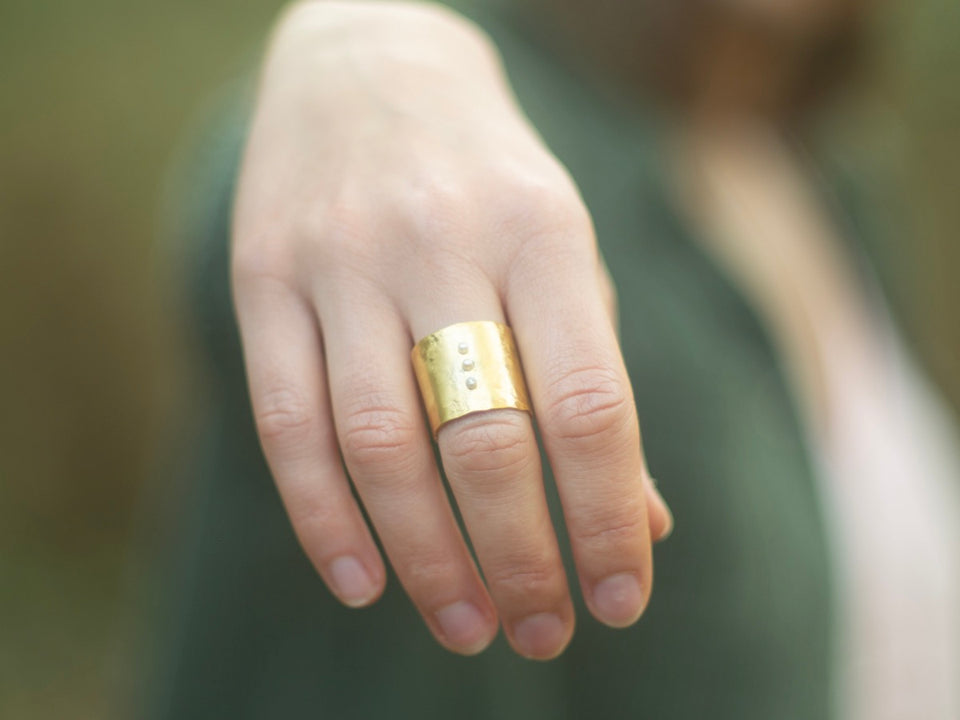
739 624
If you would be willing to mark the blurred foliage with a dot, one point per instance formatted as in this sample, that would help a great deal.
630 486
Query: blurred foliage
94 97
916 91
900 133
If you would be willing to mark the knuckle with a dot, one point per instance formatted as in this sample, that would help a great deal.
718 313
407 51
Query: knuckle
623 528
323 529
435 205
253 260
540 203
377 436
316 238
314 514
426 576
438 193
489 445
586 404
283 414
335 231
528 581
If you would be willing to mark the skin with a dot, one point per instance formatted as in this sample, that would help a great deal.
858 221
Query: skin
391 187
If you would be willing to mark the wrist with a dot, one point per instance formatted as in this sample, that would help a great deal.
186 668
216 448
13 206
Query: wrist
358 59
404 32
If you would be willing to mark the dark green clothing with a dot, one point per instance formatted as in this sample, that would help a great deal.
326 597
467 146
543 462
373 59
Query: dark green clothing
739 623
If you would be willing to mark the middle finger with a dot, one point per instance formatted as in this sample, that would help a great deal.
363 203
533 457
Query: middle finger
492 463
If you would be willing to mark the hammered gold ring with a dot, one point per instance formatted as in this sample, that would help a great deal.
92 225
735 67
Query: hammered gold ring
466 368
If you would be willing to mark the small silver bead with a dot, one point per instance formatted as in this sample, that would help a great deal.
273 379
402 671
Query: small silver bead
468 364
463 348
471 383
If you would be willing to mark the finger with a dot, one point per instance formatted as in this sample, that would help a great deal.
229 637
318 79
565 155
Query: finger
658 512
659 515
585 410
492 463
387 450
286 377
608 292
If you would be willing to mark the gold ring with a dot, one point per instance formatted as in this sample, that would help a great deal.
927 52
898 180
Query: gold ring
466 368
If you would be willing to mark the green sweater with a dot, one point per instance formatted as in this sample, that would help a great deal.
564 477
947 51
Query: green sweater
739 626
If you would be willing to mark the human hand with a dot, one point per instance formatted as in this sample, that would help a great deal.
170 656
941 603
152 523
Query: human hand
390 187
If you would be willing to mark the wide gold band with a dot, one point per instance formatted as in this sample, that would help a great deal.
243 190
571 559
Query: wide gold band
468 367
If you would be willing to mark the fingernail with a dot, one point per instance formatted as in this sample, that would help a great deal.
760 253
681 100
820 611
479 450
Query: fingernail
464 627
618 599
540 637
352 582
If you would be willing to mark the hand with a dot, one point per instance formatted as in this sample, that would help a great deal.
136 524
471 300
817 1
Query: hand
391 187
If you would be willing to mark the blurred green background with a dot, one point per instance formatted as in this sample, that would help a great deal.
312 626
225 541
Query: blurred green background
96 98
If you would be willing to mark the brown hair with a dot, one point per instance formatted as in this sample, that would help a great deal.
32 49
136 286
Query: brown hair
665 47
